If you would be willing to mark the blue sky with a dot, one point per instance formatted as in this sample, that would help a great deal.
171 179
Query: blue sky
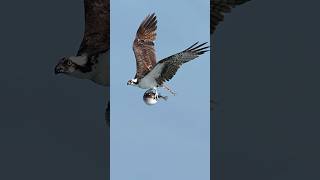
169 140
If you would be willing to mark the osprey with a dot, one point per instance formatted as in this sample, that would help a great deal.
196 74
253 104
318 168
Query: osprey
92 59
217 10
149 74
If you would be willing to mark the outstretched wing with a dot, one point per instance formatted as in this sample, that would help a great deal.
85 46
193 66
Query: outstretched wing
167 68
218 8
96 36
143 46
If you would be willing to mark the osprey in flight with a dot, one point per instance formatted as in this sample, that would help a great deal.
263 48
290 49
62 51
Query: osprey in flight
149 73
92 59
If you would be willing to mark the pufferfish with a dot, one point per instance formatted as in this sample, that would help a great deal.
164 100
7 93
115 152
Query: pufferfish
151 97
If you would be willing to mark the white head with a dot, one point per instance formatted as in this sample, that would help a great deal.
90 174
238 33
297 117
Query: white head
69 65
133 82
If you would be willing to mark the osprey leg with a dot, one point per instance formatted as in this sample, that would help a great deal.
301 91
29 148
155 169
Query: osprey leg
167 88
156 93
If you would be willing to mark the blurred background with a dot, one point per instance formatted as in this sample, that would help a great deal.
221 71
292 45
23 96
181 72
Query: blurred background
51 127
267 123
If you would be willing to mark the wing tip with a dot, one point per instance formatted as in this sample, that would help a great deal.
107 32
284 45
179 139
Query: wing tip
198 49
148 27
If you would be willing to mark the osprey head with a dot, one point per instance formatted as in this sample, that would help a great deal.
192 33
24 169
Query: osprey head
65 65
132 82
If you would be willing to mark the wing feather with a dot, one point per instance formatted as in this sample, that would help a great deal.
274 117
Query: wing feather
218 8
171 64
97 27
143 46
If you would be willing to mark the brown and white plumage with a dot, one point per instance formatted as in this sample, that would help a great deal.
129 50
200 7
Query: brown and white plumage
150 74
96 35
143 46
172 63
92 59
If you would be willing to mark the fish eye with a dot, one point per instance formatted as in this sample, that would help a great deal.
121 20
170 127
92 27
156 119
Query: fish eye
69 63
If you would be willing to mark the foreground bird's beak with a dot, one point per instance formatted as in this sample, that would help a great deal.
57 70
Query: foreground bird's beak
58 70
128 83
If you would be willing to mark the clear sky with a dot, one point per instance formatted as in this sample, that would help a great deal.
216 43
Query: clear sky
169 140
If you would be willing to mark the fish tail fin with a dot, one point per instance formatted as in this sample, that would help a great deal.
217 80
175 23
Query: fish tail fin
164 97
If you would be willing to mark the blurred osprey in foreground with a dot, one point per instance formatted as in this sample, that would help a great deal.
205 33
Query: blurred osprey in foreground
92 59
217 10
149 74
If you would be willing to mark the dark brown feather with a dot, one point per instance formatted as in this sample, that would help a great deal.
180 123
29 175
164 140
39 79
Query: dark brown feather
97 27
143 46
172 63
218 8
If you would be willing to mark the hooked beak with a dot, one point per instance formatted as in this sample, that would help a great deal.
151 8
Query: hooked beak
128 83
58 70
